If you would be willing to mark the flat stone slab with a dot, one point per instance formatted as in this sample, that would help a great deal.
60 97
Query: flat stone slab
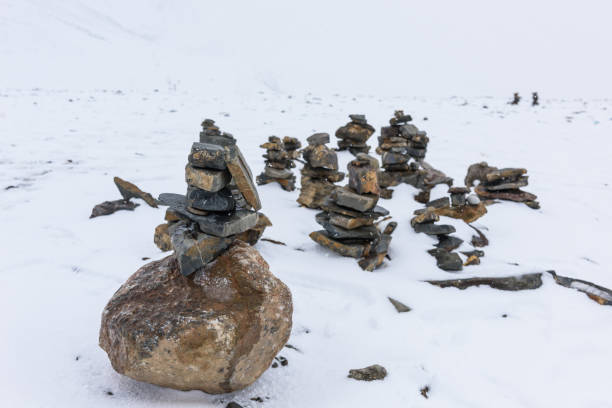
332 207
347 198
278 173
318 139
129 190
511 283
207 179
194 250
368 232
363 177
320 156
510 195
448 242
447 261
504 174
511 185
349 250
207 155
220 224
434 229
349 222
243 177
109 207
220 201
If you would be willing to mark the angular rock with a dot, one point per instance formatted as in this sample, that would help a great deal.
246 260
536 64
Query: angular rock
357 132
220 224
510 195
207 179
129 190
510 185
447 261
253 235
243 178
109 207
479 240
399 306
370 373
448 242
195 249
161 238
318 139
505 174
217 332
345 197
278 173
467 213
599 294
375 212
434 229
349 222
208 156
426 217
439 203
511 283
221 201
321 156
477 172
363 178
350 250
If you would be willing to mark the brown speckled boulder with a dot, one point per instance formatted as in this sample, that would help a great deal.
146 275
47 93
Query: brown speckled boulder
216 331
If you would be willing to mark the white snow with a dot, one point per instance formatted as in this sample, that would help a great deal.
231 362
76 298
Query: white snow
92 90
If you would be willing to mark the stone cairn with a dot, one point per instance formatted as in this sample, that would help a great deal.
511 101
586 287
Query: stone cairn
501 184
279 162
354 135
211 316
319 173
220 206
459 206
349 216
403 147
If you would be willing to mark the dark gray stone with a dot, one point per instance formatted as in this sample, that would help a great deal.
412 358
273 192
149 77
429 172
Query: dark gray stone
195 249
278 173
221 201
318 139
109 207
447 261
439 203
172 200
368 232
434 229
408 131
448 242
457 200
476 252
389 158
358 118
348 198
512 283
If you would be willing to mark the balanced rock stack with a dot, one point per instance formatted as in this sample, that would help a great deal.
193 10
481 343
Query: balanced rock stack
279 163
320 171
292 146
502 184
355 134
211 316
425 222
349 216
398 144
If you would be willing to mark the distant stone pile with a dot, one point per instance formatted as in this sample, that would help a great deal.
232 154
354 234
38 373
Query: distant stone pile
349 216
220 206
354 135
501 184
279 162
403 147
320 171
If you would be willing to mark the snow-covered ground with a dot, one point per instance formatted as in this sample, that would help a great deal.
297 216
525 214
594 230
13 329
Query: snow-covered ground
91 90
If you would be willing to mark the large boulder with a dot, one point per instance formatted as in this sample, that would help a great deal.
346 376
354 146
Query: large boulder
216 331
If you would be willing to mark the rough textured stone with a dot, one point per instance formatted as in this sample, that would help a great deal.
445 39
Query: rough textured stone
477 172
217 332
207 155
161 238
426 217
243 177
253 235
318 139
357 132
321 156
349 222
448 242
599 294
278 173
221 200
363 178
345 197
129 190
314 192
467 213
447 261
505 174
350 250
206 179
109 207
371 373
195 249
510 195
511 283
439 203
434 229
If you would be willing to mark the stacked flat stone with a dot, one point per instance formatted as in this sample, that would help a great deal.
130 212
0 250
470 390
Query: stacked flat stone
279 163
221 203
424 221
502 184
403 147
355 134
292 146
349 216
320 171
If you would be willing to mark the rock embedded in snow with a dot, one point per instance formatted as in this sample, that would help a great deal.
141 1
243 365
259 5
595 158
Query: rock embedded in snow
370 373
216 332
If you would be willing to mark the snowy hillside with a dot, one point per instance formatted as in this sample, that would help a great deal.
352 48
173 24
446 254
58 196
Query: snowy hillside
93 91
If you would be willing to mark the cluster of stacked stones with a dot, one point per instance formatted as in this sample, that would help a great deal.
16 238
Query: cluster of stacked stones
319 173
403 147
355 134
460 206
502 184
220 206
349 216
280 156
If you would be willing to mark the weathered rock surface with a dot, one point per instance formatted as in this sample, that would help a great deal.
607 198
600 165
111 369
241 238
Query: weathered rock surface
513 283
110 207
370 373
467 213
217 332
129 190
161 238
206 179
399 306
